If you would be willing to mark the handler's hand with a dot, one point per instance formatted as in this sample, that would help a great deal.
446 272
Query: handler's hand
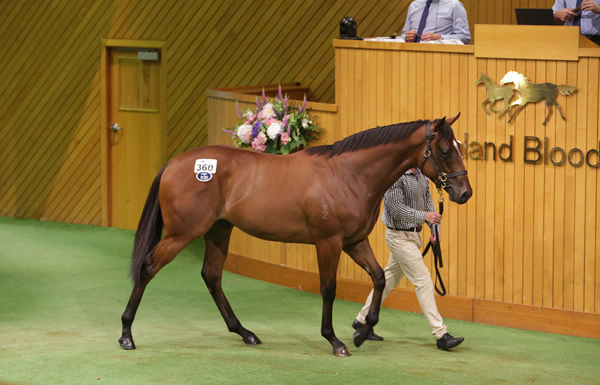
433 217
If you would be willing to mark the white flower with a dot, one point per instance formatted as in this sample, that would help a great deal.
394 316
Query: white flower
244 132
305 123
274 130
268 111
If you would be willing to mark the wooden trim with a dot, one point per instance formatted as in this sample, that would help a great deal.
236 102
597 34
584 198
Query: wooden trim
398 46
130 43
454 307
104 114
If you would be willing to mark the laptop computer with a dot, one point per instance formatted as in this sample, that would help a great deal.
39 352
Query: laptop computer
534 16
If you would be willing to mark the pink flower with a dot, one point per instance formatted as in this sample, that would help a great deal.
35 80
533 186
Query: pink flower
250 117
258 144
261 138
286 120
285 138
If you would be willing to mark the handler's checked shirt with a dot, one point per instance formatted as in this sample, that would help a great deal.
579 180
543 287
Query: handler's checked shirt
407 201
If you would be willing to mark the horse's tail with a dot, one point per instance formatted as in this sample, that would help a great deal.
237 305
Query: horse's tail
148 233
566 90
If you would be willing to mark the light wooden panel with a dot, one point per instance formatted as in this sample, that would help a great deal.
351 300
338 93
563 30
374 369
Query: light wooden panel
51 93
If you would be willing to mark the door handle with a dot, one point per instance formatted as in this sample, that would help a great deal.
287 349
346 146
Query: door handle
115 127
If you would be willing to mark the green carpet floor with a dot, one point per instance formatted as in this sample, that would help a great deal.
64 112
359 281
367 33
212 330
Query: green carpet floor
63 288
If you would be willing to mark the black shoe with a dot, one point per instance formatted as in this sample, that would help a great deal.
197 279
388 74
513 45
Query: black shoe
448 342
372 336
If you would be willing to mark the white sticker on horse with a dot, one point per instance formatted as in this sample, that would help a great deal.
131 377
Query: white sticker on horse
206 165
204 169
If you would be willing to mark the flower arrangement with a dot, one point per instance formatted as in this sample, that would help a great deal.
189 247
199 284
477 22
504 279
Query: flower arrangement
274 126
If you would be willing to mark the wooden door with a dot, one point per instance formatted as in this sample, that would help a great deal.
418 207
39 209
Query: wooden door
136 133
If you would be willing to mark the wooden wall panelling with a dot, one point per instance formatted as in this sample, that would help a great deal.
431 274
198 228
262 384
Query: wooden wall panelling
207 46
591 191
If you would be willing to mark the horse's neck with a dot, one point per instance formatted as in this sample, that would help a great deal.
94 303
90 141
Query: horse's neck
379 167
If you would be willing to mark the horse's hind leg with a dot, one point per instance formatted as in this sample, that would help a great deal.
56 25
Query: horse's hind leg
217 245
363 255
164 252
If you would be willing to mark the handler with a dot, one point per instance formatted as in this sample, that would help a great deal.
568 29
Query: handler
406 206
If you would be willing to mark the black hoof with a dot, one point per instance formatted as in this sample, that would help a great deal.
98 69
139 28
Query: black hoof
342 351
252 339
127 343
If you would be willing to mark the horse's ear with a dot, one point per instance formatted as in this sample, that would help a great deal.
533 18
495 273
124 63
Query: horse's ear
438 123
452 120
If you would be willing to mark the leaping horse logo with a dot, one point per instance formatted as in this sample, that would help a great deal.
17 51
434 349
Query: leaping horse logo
495 93
528 93
532 92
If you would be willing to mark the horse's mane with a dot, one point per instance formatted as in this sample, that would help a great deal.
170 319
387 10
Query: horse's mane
520 76
368 138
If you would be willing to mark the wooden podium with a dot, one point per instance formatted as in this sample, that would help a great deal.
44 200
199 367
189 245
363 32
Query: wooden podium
533 42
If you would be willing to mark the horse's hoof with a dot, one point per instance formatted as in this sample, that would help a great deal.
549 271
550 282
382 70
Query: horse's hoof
359 338
252 339
342 351
127 343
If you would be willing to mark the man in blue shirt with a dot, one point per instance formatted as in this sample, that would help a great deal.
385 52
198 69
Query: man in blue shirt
431 20
587 17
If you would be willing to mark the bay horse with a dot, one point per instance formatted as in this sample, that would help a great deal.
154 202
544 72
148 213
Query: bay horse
534 92
495 93
327 195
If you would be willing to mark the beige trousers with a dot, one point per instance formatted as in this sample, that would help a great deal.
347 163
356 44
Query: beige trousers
406 260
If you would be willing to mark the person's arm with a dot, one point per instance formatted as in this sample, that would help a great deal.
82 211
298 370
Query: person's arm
591 6
460 25
409 31
562 14
432 217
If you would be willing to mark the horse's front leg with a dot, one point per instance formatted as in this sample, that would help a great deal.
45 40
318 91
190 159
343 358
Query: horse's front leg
328 257
362 254
483 105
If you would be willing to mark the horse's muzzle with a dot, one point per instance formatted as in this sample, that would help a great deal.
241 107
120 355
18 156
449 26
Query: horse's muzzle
459 196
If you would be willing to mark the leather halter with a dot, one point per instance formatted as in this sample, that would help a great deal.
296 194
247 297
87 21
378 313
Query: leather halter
442 176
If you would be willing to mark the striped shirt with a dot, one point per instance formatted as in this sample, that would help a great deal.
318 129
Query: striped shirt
407 201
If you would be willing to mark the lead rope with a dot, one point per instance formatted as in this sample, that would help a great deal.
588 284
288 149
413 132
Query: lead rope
437 251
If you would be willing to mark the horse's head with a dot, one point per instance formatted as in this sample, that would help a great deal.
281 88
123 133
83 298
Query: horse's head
512 77
481 79
443 162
